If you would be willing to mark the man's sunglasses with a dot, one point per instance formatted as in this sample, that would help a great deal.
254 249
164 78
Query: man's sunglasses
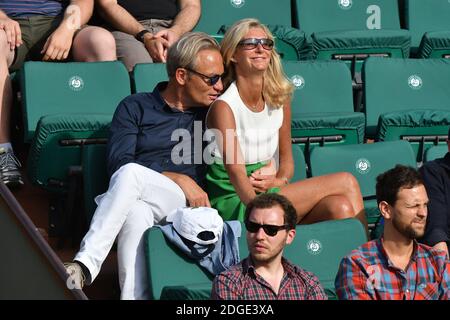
252 43
270 229
210 81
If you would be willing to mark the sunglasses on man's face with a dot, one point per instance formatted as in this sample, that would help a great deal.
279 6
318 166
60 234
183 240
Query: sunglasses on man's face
270 229
252 43
210 80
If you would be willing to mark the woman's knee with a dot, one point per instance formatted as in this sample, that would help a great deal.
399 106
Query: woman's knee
340 207
348 182
94 44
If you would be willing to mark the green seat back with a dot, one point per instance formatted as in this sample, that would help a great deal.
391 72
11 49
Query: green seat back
216 13
322 103
30 268
320 86
74 87
392 85
299 163
319 248
436 152
145 76
365 162
339 15
407 99
95 176
424 16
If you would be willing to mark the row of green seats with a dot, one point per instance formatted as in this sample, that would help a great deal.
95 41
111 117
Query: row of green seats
318 248
345 30
403 99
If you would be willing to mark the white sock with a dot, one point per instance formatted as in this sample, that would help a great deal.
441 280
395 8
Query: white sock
6 146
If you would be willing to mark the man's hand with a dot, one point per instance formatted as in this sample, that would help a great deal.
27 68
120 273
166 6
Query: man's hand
58 44
195 195
12 30
156 47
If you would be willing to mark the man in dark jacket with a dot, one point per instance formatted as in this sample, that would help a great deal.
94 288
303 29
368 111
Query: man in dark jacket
154 163
436 175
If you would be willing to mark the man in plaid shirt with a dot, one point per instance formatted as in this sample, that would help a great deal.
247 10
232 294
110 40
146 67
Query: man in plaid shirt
270 220
396 266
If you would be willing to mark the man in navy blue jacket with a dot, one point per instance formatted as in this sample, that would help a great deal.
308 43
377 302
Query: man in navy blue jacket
155 163
436 175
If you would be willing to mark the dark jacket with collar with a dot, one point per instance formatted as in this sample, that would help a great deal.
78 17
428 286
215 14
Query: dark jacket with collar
436 175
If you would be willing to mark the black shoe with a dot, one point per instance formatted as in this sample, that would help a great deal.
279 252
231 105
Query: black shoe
9 168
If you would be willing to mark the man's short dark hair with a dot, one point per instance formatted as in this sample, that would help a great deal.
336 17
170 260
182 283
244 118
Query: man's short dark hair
390 182
270 200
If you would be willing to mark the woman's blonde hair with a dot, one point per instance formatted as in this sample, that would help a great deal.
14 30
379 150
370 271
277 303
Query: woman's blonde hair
277 89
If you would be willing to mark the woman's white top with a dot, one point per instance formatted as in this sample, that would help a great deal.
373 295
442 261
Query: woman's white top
257 132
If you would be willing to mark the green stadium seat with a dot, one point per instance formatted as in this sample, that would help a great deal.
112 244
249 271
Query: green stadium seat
436 152
95 176
429 25
317 248
62 114
145 76
217 15
72 88
351 30
407 99
300 169
322 105
365 162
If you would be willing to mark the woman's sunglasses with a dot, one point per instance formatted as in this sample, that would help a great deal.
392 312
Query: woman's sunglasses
270 229
252 43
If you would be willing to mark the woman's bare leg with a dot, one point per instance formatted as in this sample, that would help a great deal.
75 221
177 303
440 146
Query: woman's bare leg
333 196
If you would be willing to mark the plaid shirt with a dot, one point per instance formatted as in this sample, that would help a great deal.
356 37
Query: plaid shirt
368 274
241 282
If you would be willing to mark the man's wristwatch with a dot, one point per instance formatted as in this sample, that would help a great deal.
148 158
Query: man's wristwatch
140 35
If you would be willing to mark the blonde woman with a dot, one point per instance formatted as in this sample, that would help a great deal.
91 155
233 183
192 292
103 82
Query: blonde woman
251 122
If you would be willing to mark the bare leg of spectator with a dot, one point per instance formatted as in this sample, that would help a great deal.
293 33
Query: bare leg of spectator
94 44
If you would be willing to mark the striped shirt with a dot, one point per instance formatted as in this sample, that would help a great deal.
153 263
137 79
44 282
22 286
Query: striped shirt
367 273
241 282
26 8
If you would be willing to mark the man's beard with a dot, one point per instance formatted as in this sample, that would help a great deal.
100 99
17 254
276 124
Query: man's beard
408 231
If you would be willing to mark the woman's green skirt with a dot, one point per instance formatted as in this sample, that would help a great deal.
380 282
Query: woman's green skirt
222 194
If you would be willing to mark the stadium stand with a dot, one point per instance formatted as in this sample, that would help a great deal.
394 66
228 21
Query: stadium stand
407 99
62 114
322 105
429 24
351 30
365 162
317 248
217 15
